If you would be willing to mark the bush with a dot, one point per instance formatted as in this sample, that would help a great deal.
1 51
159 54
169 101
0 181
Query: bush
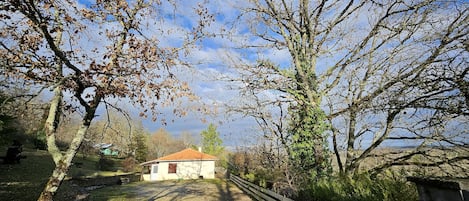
359 188
251 177
40 140
105 164
129 164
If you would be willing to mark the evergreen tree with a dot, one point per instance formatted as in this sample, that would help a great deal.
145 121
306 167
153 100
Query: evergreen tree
211 141
141 149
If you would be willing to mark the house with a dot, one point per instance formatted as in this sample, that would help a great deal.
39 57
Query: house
186 164
106 149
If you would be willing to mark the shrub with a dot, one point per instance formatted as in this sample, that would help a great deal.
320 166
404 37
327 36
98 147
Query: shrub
359 188
105 164
129 164
40 140
251 177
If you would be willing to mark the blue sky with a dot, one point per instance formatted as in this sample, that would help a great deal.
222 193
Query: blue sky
214 58
209 64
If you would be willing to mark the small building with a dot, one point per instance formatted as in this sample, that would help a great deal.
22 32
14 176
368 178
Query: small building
106 149
440 189
186 164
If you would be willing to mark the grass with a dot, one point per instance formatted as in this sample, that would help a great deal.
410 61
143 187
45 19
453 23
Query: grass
25 181
88 167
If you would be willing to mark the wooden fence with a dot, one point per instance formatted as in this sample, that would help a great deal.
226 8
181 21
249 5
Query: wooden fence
257 192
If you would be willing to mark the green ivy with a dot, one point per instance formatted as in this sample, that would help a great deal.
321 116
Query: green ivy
308 150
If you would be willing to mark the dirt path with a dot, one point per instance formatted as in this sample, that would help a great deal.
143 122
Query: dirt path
196 190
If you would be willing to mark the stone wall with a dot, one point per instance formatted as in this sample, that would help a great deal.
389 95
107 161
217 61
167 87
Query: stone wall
105 181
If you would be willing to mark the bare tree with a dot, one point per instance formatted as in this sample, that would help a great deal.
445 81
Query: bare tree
402 90
162 143
51 44
385 73
117 128
270 111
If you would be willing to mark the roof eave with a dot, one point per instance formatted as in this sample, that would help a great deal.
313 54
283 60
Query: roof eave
187 160
182 160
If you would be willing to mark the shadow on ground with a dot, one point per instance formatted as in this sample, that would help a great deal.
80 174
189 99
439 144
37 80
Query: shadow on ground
194 190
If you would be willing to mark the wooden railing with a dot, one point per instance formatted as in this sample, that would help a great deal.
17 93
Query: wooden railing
257 192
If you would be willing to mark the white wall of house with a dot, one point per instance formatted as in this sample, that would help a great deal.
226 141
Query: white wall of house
146 177
184 170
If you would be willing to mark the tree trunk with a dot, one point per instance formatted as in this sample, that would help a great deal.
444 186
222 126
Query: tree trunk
53 117
51 124
336 150
350 155
64 163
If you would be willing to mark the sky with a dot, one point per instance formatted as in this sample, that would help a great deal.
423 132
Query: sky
209 61
212 61
208 64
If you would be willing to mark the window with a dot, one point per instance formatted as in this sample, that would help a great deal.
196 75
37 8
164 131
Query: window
172 167
155 169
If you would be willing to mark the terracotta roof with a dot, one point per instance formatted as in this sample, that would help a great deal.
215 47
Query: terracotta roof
184 155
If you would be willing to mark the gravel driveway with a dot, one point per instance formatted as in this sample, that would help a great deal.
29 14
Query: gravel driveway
196 190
